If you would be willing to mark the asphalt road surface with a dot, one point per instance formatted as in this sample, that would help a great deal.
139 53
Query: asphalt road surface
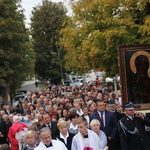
29 86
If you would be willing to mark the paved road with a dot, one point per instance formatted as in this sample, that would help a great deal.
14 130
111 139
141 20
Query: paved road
29 86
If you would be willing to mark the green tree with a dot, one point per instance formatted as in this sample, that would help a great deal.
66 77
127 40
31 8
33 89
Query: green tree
47 20
98 27
15 48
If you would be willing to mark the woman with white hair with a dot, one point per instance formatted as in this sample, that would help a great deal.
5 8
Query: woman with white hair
15 133
95 126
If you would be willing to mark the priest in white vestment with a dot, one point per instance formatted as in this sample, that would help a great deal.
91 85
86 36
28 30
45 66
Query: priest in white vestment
47 143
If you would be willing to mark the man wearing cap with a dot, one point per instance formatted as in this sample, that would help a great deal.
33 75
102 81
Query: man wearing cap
132 130
112 107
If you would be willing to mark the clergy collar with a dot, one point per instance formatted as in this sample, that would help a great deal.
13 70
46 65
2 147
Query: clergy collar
49 145
86 135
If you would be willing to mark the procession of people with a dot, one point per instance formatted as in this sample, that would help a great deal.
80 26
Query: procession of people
73 118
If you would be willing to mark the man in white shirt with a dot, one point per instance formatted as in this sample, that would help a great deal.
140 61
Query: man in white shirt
47 143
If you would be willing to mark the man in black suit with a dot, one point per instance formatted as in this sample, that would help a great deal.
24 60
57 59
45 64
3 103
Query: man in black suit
51 124
8 111
108 123
132 130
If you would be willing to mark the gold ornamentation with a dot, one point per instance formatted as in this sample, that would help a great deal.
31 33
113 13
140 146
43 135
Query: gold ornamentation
133 58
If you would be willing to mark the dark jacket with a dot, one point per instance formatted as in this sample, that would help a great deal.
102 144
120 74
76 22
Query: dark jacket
69 140
54 129
9 112
110 128
130 140
8 125
3 131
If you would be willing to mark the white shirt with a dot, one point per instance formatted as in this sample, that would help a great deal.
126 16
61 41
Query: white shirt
32 121
73 127
88 119
65 138
48 125
80 112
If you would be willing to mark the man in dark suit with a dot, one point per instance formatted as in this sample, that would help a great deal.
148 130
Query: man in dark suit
51 124
108 122
132 130
8 111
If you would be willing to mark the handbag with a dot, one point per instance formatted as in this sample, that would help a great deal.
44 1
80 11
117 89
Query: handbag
20 135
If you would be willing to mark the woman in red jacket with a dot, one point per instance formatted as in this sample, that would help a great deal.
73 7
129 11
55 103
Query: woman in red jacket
14 129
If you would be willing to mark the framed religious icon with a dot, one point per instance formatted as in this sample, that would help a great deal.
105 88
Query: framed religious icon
134 66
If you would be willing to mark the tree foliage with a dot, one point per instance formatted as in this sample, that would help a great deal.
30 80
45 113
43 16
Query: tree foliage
98 27
46 23
16 53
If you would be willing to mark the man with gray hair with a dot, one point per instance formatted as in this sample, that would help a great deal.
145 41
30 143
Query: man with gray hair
47 143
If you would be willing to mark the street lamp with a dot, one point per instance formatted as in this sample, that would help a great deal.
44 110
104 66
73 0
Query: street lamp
113 80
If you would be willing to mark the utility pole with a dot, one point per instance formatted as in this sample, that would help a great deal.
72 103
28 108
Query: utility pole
61 71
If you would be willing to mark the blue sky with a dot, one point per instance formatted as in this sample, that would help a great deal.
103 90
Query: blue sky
29 4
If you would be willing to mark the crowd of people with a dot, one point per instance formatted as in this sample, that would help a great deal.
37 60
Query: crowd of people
72 118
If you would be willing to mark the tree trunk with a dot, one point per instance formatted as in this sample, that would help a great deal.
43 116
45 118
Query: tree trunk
5 94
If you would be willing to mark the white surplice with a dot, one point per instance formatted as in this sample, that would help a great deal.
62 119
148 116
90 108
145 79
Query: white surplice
79 142
57 145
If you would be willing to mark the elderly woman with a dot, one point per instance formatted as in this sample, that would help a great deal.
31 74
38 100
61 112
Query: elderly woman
64 136
31 140
95 126
16 133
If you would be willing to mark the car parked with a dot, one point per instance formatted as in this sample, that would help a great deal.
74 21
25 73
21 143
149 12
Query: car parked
95 83
68 82
17 98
